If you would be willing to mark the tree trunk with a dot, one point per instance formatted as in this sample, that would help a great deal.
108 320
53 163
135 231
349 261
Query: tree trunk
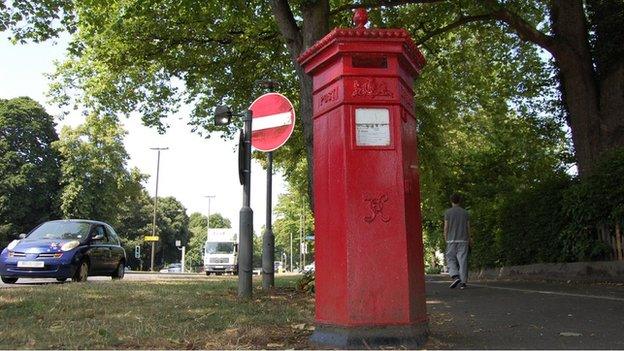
612 109
315 25
607 24
577 76
591 76
592 82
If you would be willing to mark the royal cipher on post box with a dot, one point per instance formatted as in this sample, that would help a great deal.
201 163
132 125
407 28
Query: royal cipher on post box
370 288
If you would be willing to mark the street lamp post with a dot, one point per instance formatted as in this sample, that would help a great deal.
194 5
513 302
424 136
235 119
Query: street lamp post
209 197
159 149
246 219
223 115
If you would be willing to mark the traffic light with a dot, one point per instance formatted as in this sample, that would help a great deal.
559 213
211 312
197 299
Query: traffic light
137 251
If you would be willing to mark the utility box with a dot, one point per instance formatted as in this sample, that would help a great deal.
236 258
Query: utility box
370 287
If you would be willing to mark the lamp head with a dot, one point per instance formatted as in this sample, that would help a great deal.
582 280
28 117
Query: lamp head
223 115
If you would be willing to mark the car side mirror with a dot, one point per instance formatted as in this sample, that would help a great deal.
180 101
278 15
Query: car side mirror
97 237
22 236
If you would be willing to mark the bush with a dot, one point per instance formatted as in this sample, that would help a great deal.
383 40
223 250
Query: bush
591 202
558 220
532 223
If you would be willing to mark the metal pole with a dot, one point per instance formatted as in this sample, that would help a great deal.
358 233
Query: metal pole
301 238
155 204
268 242
155 209
210 197
246 221
291 253
183 258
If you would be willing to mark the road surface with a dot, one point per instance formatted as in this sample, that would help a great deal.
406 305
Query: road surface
525 315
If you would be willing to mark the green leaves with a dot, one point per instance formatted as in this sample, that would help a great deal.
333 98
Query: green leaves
294 220
29 167
94 176
151 57
36 20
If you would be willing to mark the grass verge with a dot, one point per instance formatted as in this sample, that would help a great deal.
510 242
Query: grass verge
173 314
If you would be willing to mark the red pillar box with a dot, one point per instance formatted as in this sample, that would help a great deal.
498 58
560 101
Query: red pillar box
370 288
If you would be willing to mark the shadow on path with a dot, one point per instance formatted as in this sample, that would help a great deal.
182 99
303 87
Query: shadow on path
524 315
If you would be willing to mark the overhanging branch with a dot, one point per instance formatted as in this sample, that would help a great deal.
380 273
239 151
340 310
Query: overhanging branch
523 29
526 31
459 22
381 3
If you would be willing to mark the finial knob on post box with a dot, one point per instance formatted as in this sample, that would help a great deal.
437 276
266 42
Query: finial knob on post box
360 18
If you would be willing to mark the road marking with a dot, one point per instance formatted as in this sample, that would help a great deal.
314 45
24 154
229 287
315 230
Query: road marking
271 121
551 293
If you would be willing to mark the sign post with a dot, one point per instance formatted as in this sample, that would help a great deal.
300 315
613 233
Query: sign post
273 123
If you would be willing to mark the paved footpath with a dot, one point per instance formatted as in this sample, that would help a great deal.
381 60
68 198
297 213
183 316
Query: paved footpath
525 315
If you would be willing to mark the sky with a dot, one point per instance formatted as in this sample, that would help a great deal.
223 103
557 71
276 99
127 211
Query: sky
192 168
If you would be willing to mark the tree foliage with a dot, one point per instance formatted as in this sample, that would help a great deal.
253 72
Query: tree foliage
29 167
94 178
294 220
134 222
171 225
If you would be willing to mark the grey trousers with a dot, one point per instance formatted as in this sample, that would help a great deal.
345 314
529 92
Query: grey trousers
457 260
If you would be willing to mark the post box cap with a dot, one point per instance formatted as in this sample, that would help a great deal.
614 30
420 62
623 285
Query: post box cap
361 33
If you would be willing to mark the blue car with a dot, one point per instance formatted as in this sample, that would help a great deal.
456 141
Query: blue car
64 249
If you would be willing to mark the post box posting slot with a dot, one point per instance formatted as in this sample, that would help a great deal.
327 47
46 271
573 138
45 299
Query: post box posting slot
369 61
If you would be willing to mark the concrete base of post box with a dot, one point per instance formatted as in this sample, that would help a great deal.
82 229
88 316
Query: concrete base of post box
409 337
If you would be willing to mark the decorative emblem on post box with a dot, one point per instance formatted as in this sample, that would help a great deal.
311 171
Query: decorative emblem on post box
376 207
371 88
330 96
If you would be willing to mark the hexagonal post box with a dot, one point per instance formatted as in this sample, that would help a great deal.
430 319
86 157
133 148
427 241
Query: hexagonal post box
370 288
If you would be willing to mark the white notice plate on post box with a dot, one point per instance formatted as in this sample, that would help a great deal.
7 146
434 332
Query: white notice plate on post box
372 127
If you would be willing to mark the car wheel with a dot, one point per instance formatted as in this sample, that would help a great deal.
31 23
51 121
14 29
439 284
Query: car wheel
9 280
82 272
207 273
120 271
61 279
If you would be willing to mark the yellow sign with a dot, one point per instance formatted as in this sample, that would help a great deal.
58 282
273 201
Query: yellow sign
151 238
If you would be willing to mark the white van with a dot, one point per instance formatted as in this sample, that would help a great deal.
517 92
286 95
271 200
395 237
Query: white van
221 251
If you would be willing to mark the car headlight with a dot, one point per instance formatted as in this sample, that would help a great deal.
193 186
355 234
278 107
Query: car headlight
70 245
12 245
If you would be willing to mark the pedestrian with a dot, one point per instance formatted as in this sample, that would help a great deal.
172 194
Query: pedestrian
457 237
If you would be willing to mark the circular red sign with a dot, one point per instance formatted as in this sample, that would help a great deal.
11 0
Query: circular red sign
273 121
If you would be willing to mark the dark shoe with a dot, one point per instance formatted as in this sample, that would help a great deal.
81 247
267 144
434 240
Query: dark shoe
462 286
455 283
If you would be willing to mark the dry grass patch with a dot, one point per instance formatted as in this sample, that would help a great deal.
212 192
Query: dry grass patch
181 314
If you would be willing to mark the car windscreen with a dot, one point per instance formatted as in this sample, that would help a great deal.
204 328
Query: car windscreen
61 230
219 248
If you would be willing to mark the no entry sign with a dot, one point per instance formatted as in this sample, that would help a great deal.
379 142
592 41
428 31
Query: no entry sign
273 121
